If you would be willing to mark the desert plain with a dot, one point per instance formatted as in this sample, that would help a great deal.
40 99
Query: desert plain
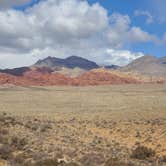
117 125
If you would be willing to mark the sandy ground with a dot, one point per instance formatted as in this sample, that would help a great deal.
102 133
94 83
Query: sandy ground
83 125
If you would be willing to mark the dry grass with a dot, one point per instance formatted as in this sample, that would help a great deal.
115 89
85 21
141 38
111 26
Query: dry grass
86 126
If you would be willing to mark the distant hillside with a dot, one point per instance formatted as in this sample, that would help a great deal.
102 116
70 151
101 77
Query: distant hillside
113 67
147 65
16 71
70 62
78 71
163 60
36 77
70 72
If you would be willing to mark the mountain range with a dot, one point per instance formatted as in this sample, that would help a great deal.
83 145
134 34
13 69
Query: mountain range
70 62
79 71
147 65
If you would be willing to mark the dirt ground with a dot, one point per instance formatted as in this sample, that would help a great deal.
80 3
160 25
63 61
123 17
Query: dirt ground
84 126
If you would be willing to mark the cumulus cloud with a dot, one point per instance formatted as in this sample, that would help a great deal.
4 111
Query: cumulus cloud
120 32
51 23
149 17
66 27
121 57
136 34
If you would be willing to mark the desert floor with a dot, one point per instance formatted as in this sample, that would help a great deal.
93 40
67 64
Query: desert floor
87 126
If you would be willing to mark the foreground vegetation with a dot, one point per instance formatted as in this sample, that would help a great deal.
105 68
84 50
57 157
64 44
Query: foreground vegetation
90 126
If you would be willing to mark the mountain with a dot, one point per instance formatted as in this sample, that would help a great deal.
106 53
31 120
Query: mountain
70 62
22 70
72 66
113 67
78 71
36 77
163 60
147 65
16 71
71 72
105 77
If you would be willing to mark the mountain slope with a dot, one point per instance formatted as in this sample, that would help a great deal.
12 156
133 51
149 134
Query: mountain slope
112 67
163 60
70 62
38 77
146 65
16 71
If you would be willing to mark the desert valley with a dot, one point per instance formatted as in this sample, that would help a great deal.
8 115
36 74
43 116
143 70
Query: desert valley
71 113
82 83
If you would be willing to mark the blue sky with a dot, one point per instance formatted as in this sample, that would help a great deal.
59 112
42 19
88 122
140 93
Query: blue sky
128 7
106 31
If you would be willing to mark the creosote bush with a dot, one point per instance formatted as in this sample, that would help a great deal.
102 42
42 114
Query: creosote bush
116 162
47 162
142 153
19 143
5 152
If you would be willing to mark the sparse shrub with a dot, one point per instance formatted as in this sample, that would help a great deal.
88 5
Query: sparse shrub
18 143
22 159
142 153
5 152
45 127
47 162
97 140
92 159
4 131
19 159
32 125
163 159
53 162
10 121
4 113
4 139
71 164
112 162
117 162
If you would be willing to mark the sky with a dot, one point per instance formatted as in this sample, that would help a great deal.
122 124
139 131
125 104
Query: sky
107 32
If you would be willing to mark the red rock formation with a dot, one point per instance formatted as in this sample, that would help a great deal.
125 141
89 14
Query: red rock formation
103 78
44 77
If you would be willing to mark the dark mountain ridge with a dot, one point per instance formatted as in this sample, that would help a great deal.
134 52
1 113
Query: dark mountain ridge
16 71
113 67
162 60
146 65
70 62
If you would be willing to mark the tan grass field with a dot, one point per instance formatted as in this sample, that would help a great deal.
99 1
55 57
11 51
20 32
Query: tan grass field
84 126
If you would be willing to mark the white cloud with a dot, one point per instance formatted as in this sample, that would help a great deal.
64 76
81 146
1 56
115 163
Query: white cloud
121 57
109 56
136 34
64 23
120 32
149 17
119 26
66 27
